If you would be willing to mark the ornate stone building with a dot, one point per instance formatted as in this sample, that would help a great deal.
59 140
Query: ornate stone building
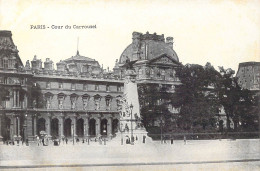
79 98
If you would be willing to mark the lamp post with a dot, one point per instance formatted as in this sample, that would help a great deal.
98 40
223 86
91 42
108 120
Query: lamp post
73 133
132 137
121 130
161 130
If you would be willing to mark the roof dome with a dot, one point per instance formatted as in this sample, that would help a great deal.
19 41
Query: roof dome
147 47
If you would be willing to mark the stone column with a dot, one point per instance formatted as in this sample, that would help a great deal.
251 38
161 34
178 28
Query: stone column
48 125
98 122
61 120
18 124
109 127
34 124
18 98
86 126
14 105
25 127
14 126
1 138
74 125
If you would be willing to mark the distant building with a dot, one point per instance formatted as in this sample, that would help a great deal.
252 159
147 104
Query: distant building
248 75
79 98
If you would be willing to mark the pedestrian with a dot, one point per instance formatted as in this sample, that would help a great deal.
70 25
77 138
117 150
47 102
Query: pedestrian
63 140
171 140
38 140
144 137
184 138
66 139
27 142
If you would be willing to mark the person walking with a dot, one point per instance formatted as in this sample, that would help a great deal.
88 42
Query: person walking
171 140
38 140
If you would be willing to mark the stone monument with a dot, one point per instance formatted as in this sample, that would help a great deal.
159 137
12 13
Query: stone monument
131 128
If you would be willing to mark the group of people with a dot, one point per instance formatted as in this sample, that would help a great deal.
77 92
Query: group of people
16 142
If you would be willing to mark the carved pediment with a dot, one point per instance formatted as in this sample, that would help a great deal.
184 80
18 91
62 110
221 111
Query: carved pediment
163 59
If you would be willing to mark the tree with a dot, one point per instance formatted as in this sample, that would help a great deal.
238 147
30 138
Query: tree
196 96
154 100
238 103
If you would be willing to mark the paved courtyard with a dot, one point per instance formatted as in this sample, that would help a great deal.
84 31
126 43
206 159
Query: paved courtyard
241 154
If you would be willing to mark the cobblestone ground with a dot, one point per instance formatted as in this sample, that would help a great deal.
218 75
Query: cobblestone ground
195 155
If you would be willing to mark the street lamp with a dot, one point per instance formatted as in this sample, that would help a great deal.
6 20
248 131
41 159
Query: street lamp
73 133
132 137
121 130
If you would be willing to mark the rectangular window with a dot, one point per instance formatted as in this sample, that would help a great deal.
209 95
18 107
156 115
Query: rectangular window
10 63
60 85
96 87
85 87
5 63
118 88
73 86
5 80
48 85
107 88
60 103
1 63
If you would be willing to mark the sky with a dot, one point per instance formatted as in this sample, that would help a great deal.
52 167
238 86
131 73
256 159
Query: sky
222 32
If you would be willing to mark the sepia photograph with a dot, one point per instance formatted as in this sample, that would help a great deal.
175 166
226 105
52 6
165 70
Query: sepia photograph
156 85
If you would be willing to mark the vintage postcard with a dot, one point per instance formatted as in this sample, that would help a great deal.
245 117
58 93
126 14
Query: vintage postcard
129 85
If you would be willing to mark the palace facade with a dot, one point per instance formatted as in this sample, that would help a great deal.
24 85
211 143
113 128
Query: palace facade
79 98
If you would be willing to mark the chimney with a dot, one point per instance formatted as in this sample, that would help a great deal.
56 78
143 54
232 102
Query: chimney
36 63
48 64
169 42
